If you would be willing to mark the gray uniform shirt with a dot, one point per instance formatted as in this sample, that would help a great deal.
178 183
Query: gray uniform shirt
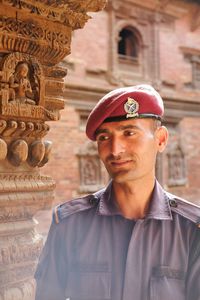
93 253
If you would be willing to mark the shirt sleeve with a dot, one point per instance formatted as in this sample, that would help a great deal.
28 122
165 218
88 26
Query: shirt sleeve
193 276
51 272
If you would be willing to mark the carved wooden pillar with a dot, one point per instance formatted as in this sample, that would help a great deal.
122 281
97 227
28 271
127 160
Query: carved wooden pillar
34 38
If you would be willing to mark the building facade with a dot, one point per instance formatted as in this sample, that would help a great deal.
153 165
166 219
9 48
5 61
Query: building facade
132 42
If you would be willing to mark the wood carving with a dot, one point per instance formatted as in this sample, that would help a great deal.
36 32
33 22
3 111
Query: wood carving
90 168
47 154
34 37
36 153
20 88
23 95
3 149
176 166
18 152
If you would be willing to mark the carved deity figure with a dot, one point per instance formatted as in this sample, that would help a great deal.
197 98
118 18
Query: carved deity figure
177 174
89 172
20 86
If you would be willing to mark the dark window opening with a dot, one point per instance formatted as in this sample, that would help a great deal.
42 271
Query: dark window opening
128 43
197 75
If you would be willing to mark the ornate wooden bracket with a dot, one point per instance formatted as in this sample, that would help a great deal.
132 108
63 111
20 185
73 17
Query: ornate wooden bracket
34 37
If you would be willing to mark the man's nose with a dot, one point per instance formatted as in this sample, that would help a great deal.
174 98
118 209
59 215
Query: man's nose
117 146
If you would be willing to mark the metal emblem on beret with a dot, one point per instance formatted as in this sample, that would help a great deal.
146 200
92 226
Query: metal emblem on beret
131 107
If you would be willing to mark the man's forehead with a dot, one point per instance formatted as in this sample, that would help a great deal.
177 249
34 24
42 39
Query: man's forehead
123 125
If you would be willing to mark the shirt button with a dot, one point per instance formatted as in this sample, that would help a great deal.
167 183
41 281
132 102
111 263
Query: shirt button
173 203
198 224
92 201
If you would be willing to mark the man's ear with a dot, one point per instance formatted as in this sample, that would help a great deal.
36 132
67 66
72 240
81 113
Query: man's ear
162 138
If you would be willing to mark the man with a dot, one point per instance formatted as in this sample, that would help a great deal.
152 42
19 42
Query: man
131 240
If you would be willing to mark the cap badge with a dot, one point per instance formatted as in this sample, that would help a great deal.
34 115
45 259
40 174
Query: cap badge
131 107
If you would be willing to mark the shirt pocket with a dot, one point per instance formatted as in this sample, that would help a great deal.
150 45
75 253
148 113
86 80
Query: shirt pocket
89 282
167 283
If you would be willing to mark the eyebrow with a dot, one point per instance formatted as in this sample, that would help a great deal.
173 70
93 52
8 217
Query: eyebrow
119 128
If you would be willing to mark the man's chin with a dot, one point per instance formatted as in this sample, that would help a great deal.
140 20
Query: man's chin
120 176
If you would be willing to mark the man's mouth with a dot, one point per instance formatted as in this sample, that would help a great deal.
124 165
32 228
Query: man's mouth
120 163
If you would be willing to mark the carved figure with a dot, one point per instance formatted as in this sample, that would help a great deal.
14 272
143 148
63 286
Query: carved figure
90 171
177 172
20 86
90 168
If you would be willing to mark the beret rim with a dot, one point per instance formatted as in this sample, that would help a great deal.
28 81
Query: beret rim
112 106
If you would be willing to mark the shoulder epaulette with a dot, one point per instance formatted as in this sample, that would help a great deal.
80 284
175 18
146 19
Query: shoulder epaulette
185 208
71 207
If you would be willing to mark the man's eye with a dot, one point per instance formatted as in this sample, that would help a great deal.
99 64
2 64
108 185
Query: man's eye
102 138
129 133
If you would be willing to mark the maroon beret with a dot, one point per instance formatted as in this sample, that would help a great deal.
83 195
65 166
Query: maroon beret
140 101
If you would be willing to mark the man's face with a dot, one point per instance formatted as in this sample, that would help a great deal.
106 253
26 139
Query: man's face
128 148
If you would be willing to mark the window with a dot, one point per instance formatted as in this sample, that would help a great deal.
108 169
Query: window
196 74
128 46
194 60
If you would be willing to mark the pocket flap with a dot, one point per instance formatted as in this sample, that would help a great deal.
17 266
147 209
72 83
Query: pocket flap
166 271
89 281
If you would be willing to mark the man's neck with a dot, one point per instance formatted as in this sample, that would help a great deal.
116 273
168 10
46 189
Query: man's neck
133 197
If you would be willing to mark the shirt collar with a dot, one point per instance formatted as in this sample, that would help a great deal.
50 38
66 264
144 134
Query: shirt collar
107 202
159 207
